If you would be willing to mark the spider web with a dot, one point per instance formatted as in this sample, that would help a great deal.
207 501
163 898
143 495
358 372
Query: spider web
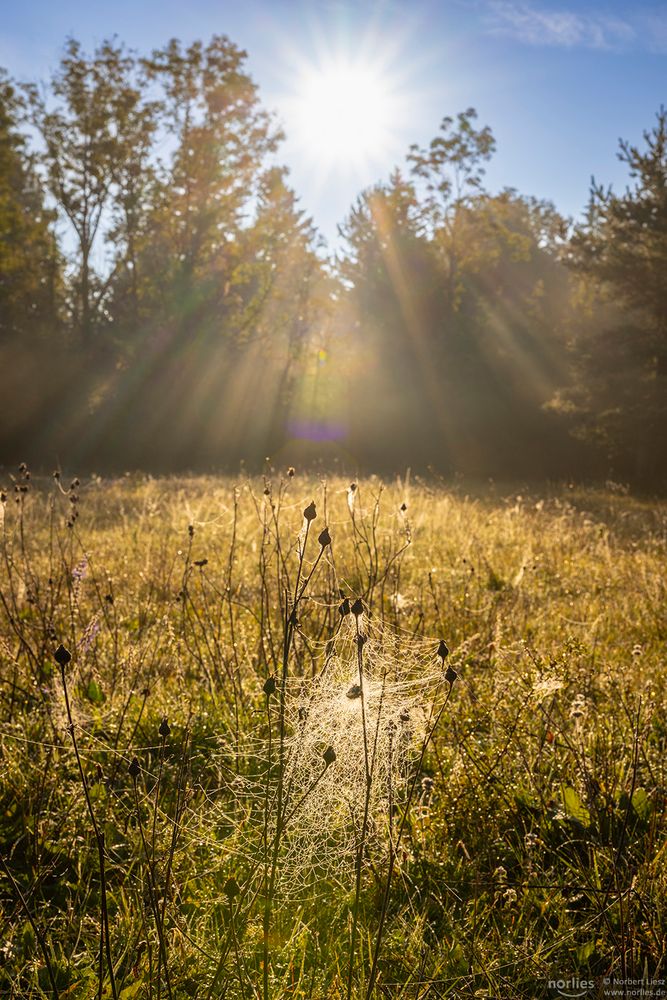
375 722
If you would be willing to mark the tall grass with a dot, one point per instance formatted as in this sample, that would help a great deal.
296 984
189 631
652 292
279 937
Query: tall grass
262 774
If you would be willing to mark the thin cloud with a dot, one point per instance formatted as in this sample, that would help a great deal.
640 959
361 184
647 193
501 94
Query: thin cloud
558 27
654 25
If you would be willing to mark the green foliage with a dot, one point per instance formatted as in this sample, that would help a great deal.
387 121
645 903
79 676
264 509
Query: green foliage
29 261
96 128
533 846
621 351
198 323
460 304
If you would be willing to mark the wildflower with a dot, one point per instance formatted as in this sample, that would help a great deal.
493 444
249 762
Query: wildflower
87 640
80 570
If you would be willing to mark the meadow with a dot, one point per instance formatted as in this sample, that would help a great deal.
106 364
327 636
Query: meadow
298 737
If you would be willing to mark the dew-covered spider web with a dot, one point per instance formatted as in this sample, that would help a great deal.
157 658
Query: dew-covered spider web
375 721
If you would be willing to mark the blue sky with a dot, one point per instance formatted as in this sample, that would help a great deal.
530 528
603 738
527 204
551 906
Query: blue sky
559 83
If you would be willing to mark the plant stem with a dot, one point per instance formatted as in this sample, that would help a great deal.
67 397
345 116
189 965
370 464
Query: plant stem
394 847
162 953
38 934
99 837
361 847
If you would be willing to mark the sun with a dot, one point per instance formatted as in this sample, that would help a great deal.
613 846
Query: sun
343 114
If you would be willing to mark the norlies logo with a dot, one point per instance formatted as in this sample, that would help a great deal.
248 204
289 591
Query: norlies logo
572 987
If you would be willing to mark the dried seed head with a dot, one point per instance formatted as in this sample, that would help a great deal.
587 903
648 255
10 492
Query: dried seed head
329 756
427 788
164 729
269 686
450 675
354 691
324 538
344 608
404 507
443 650
310 513
358 607
134 769
191 530
353 487
62 656
201 562
290 472
56 474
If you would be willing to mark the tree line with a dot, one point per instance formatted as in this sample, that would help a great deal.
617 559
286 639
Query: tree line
166 304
